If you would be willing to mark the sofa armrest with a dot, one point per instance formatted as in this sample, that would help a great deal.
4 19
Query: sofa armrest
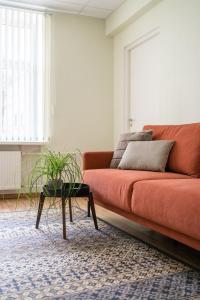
97 160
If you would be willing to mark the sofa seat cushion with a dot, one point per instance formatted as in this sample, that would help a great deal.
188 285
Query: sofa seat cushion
114 187
174 204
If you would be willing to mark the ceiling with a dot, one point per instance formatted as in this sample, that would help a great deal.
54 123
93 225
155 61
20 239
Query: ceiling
94 8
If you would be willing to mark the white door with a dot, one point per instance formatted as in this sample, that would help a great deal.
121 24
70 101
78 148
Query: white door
145 83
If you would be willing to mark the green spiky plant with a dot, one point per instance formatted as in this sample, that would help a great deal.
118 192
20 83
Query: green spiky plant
53 169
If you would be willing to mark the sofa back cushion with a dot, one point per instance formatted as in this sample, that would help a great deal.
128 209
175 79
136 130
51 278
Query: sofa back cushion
185 155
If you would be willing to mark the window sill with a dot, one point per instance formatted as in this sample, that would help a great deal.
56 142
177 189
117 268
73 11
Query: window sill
23 143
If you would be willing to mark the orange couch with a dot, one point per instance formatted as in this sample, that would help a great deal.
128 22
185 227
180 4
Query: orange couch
166 202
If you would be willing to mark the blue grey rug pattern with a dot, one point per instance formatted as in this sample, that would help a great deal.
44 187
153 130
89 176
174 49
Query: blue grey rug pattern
90 264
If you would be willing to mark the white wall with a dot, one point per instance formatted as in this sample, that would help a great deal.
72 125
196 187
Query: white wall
128 12
179 23
82 84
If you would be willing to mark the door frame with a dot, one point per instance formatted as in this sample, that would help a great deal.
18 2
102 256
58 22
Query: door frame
127 60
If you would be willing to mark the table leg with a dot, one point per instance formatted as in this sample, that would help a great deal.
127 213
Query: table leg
40 208
64 218
70 209
88 207
91 200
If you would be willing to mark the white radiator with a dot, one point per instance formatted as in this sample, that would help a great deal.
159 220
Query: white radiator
10 170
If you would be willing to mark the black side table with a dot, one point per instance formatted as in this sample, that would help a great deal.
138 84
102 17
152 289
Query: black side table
67 192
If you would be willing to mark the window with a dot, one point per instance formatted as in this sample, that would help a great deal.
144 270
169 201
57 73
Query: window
23 79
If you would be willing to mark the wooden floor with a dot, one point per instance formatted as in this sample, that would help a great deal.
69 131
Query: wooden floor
164 244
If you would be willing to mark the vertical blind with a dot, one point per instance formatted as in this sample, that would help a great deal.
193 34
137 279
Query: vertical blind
22 76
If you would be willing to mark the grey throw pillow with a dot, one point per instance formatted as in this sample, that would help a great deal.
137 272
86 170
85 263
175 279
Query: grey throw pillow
126 138
148 156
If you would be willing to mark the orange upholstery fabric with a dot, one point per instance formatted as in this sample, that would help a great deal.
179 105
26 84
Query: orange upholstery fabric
114 187
185 239
174 204
185 155
97 160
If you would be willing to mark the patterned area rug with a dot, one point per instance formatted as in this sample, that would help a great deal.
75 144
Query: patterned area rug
105 264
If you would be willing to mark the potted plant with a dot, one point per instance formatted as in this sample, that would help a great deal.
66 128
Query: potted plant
52 169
